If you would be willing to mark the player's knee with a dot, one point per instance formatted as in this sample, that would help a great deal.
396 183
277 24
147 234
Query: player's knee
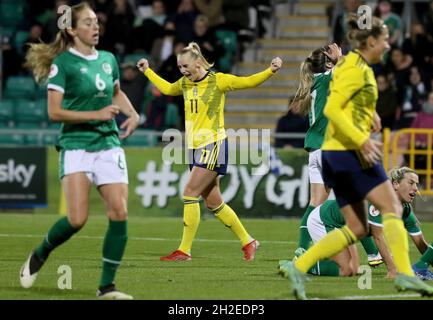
359 230
77 222
212 203
345 271
118 212
190 192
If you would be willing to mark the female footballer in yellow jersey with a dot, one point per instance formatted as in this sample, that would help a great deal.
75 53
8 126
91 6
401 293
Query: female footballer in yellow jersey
351 162
204 94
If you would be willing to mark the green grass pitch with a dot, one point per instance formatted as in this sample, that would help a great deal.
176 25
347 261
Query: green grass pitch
216 272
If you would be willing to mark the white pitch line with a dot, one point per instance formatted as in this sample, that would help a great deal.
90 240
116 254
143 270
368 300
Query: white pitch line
378 296
8 235
382 296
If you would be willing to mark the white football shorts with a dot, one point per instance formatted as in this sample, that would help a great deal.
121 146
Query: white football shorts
101 167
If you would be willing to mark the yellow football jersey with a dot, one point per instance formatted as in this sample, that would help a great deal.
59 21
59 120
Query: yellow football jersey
204 102
351 104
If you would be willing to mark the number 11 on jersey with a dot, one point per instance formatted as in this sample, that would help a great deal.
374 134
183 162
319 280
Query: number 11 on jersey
194 102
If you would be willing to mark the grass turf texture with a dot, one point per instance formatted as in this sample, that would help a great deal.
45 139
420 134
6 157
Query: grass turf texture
217 270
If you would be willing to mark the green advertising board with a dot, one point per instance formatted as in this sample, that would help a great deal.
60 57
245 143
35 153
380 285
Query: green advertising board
155 188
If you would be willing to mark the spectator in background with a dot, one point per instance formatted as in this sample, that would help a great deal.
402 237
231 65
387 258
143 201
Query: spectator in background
418 45
264 10
49 20
414 95
11 65
387 102
184 20
210 45
102 6
162 48
169 71
236 16
392 21
104 41
291 122
340 27
212 9
35 35
119 27
424 120
398 69
427 21
102 9
150 29
158 12
133 84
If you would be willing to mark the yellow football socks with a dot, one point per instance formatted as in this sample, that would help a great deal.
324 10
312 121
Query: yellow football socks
330 245
227 216
191 220
396 237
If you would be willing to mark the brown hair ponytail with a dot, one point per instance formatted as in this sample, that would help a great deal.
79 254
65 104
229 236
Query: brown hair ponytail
40 56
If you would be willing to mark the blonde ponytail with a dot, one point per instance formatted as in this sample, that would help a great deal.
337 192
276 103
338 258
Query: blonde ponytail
194 50
40 56
303 94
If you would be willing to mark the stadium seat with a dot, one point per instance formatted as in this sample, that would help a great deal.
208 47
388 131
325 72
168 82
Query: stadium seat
42 106
27 125
33 139
54 125
41 91
229 42
134 57
19 40
171 116
7 33
6 113
11 13
49 139
18 87
11 139
29 114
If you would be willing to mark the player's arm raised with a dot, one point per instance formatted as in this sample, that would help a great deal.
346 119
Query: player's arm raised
167 88
231 82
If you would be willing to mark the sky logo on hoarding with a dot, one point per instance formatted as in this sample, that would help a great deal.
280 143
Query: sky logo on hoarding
10 172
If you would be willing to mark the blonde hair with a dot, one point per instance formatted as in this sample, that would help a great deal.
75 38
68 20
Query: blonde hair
315 63
397 174
194 50
358 37
40 56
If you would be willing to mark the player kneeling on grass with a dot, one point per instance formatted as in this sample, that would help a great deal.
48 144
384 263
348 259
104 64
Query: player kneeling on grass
404 181
322 220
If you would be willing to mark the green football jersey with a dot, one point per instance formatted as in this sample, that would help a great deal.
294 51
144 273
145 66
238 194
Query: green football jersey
318 121
331 216
409 219
87 84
